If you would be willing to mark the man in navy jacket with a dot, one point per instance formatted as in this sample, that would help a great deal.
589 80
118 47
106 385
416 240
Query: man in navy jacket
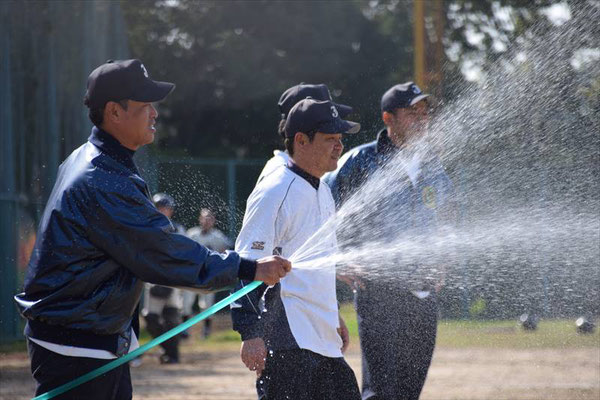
397 320
101 236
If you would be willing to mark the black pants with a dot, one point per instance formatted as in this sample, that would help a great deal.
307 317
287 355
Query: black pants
159 324
51 370
397 337
304 375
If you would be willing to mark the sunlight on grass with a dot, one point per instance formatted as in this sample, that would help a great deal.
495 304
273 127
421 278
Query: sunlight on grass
462 334
554 333
508 334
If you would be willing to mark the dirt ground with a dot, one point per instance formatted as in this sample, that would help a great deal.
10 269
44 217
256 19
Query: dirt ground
218 374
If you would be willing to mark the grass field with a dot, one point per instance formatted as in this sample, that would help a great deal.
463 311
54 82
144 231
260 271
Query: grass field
551 334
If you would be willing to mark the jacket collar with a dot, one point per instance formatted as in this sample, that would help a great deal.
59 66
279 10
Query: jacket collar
313 180
384 143
111 146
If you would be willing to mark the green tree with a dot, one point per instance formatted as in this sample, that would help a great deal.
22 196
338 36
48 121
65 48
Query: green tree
231 60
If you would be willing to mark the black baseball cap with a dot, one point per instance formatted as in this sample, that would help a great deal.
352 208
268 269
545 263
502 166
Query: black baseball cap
293 95
123 80
403 95
310 115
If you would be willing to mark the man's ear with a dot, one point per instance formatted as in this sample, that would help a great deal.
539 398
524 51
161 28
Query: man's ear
387 118
112 112
300 139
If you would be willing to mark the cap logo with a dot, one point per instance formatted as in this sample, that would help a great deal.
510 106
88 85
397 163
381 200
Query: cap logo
145 71
329 95
334 112
428 196
416 89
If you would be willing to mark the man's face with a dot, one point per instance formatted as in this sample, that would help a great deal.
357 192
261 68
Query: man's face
325 151
408 124
138 123
207 220
166 211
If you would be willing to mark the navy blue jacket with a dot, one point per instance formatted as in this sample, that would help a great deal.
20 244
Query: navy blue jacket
431 195
419 207
101 236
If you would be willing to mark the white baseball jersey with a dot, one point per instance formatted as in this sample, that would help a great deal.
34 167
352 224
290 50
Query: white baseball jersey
279 160
282 213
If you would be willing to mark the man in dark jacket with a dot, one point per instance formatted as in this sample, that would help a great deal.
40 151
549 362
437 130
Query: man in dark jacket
100 237
397 321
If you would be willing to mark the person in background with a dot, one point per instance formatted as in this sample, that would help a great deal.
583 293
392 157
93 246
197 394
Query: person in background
166 205
163 305
207 235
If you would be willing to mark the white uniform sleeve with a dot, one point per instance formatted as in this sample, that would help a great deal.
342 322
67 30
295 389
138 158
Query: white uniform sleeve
258 235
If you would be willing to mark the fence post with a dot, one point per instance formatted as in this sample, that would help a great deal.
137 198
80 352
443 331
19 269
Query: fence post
231 197
9 320
466 298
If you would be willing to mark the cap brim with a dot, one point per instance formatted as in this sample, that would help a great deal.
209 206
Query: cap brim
343 109
340 126
418 99
353 127
153 91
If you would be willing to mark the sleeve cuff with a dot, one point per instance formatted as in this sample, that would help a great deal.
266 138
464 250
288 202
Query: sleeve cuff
250 335
251 332
247 269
